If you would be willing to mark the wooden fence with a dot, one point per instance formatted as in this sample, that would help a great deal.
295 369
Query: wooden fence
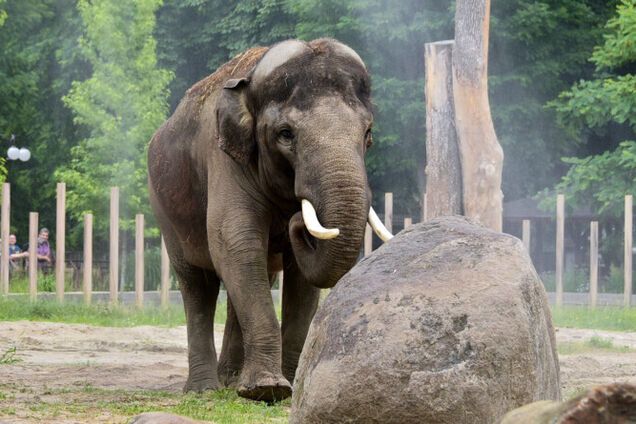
87 283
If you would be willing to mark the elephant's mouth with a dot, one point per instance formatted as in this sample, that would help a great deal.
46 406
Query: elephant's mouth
300 233
310 241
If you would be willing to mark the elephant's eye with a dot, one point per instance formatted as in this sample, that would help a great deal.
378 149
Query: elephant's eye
368 138
286 136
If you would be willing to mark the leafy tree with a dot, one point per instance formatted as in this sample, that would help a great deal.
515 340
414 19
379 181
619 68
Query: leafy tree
195 37
3 13
538 49
37 65
604 109
120 105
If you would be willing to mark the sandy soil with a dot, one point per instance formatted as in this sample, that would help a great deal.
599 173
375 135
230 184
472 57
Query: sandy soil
596 366
65 356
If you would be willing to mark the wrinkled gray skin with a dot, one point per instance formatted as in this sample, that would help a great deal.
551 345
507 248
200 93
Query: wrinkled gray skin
227 172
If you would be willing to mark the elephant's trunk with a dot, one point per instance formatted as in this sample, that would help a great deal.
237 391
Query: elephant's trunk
340 198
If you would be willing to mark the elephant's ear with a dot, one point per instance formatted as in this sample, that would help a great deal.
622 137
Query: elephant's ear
235 122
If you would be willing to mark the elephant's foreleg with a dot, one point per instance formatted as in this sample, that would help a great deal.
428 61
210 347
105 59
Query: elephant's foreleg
199 289
242 259
300 301
231 359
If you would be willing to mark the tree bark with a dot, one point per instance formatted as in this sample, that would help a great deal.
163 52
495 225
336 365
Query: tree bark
480 152
443 166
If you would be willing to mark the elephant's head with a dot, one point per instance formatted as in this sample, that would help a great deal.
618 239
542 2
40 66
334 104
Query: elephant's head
303 117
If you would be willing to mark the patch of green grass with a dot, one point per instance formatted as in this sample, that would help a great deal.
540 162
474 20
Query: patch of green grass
46 283
602 318
221 407
594 344
15 309
8 357
600 342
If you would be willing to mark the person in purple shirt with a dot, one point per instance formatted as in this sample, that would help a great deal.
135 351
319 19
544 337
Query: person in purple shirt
44 251
45 254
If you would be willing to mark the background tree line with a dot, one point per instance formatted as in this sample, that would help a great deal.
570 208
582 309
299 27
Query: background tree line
84 84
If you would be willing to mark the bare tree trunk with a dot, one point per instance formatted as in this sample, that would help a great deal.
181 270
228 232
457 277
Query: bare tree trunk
480 152
443 166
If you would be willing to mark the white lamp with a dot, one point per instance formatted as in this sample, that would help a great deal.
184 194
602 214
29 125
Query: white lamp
13 153
24 154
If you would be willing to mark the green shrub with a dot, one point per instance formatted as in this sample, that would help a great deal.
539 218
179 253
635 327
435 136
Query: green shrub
577 281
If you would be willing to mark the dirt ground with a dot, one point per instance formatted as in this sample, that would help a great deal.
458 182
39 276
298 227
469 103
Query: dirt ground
53 359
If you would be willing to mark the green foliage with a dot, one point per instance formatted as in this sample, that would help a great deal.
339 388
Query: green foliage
605 107
620 42
121 105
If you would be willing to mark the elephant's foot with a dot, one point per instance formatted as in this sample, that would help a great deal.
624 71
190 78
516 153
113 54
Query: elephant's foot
199 385
228 376
265 386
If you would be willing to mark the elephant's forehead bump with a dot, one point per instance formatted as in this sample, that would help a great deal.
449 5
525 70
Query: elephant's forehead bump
276 56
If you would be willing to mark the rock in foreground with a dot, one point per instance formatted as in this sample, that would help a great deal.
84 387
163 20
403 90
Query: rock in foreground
448 322
611 403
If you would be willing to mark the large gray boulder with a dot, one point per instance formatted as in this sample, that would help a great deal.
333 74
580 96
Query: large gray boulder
446 323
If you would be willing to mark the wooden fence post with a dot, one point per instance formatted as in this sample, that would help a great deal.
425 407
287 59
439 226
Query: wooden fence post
114 244
33 256
368 240
87 281
407 223
628 250
4 233
593 263
139 260
525 234
165 274
388 211
60 235
560 234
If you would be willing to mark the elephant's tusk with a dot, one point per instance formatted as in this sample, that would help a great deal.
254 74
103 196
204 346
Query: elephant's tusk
378 226
313 225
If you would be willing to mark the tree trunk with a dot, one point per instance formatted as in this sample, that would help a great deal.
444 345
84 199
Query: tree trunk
480 152
443 166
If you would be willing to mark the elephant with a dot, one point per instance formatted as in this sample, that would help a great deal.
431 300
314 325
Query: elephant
261 168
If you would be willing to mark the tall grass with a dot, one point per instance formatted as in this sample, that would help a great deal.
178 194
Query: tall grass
602 318
14 309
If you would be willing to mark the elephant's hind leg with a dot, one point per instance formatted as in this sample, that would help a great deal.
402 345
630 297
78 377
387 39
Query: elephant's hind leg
231 359
199 289
300 301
